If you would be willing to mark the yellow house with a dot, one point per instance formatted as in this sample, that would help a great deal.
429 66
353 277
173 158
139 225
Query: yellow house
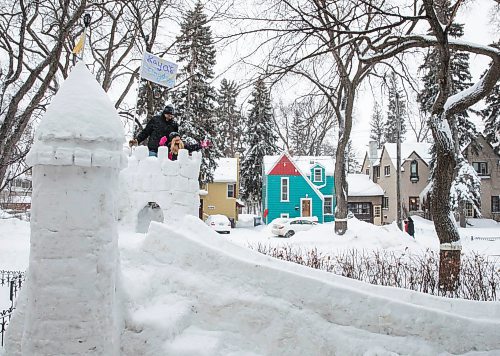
221 196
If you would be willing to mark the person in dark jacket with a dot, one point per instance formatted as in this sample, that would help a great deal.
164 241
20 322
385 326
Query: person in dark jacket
411 227
159 126
174 144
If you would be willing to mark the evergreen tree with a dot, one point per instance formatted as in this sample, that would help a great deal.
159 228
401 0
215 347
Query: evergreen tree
195 99
396 112
377 126
464 130
351 159
297 140
491 115
466 186
229 119
261 141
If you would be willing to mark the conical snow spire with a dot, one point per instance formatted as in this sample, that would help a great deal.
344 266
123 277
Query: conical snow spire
80 127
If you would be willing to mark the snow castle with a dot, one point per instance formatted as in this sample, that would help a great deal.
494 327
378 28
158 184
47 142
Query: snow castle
83 183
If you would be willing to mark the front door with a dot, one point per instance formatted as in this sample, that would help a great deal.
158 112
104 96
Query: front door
306 207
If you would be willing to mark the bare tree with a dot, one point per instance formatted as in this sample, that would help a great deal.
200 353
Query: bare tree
33 35
304 124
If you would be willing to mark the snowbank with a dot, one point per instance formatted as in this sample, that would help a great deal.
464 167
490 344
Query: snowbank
202 295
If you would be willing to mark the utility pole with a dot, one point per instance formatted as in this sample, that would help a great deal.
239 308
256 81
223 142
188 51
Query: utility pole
398 160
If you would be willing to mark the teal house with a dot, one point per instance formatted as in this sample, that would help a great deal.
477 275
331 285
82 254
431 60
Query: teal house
298 186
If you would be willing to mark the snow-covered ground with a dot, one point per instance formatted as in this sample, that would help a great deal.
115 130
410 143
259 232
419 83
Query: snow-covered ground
191 291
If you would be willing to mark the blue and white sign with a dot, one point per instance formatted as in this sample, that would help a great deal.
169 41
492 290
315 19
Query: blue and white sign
158 70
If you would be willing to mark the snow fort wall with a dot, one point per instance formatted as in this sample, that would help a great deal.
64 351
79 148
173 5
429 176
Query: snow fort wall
173 185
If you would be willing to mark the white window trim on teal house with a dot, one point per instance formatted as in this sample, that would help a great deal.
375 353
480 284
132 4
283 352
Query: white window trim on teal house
311 205
287 189
325 197
320 175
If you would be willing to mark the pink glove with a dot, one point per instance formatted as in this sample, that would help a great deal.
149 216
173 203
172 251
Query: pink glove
163 141
205 143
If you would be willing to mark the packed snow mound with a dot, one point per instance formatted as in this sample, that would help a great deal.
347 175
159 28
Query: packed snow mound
202 295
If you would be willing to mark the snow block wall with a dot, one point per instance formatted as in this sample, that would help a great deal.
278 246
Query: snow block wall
173 185
70 304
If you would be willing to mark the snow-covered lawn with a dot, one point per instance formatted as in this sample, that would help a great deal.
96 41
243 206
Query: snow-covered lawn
361 235
191 291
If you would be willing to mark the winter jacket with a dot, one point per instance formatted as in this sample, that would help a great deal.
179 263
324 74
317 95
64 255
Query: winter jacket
190 148
411 227
155 129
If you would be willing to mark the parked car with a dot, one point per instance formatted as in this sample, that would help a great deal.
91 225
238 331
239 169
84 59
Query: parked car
288 227
219 223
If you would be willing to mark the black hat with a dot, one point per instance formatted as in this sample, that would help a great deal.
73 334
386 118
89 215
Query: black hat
169 109
173 135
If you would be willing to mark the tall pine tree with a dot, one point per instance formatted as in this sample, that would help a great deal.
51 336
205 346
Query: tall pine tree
261 141
465 184
464 131
491 115
229 119
396 113
195 98
377 126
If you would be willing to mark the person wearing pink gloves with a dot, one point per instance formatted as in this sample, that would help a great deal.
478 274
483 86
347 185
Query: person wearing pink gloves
174 144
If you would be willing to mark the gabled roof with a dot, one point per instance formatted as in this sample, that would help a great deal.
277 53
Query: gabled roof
226 171
360 185
303 163
284 166
270 163
420 148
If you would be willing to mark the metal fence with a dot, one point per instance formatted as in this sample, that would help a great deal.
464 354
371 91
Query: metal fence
14 280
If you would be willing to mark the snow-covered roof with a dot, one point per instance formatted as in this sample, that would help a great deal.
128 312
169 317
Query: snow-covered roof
360 185
420 148
81 110
303 163
226 171
81 126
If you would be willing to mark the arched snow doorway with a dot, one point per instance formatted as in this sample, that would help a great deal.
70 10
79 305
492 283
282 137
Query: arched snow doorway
150 212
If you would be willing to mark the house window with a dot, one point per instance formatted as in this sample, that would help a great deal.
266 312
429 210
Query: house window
481 168
328 207
414 203
367 172
284 215
284 189
469 210
317 175
385 203
231 190
414 171
495 204
387 170
376 171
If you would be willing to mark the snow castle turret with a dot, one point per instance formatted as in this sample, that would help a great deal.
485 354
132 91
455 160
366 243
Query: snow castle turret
71 303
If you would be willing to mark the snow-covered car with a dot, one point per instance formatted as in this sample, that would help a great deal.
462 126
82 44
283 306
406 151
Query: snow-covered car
219 223
288 227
